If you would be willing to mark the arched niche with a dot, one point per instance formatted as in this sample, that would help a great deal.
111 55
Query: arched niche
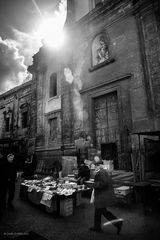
100 50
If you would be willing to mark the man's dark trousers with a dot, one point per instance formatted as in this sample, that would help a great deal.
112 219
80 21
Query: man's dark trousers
11 190
97 217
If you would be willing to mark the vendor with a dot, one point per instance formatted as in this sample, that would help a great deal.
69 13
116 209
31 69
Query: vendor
29 167
83 173
57 170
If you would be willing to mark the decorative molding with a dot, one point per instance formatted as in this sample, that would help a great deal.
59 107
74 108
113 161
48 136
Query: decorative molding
106 9
101 64
52 112
122 77
16 89
39 149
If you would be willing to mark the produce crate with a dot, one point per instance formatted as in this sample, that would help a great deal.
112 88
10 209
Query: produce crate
66 207
53 207
35 197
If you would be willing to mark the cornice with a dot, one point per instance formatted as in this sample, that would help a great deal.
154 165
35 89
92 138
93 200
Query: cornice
140 6
16 89
99 12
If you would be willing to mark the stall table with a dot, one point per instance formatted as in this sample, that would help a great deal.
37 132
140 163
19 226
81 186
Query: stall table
62 205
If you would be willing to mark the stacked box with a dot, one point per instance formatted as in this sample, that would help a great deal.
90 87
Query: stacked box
123 190
124 194
66 207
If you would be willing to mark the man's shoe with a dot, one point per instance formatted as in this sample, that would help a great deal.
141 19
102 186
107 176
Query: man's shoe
95 229
119 227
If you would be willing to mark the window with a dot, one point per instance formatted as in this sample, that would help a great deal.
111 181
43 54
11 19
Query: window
53 85
8 117
7 120
24 118
53 128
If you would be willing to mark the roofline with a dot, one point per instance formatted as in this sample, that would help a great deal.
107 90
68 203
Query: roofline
15 89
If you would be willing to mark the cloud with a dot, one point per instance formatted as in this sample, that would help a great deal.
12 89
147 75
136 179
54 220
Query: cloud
15 57
28 45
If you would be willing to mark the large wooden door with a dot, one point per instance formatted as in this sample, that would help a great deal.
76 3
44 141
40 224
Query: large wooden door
106 124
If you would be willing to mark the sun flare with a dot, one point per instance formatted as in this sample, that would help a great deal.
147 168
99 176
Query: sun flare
52 33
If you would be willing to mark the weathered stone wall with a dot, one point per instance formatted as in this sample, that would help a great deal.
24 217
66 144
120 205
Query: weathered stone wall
10 104
146 14
33 108
151 35
67 112
45 64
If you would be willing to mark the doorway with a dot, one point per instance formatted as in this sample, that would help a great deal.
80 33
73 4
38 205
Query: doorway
152 155
109 152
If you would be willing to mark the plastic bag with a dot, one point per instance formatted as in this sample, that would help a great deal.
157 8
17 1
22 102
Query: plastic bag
92 197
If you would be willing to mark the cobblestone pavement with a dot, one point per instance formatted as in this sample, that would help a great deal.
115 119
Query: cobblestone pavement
26 217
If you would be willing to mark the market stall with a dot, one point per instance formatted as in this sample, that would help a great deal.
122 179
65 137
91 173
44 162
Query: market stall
59 197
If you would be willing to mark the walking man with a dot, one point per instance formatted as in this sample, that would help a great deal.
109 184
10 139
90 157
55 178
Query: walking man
103 198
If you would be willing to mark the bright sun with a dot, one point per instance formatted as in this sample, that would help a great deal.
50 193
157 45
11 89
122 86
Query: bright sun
52 33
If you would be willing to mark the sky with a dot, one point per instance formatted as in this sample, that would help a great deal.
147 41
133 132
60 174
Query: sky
19 21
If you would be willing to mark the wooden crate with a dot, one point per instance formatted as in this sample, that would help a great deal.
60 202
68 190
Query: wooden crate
66 207
78 198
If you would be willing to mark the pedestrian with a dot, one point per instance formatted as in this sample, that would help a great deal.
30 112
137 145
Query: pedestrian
9 174
83 173
2 184
103 198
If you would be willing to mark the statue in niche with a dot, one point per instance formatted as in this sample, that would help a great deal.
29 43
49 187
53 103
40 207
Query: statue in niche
102 51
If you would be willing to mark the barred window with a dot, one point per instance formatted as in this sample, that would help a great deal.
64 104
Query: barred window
7 121
24 119
53 128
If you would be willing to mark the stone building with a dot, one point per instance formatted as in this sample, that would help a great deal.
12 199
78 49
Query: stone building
99 94
16 121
